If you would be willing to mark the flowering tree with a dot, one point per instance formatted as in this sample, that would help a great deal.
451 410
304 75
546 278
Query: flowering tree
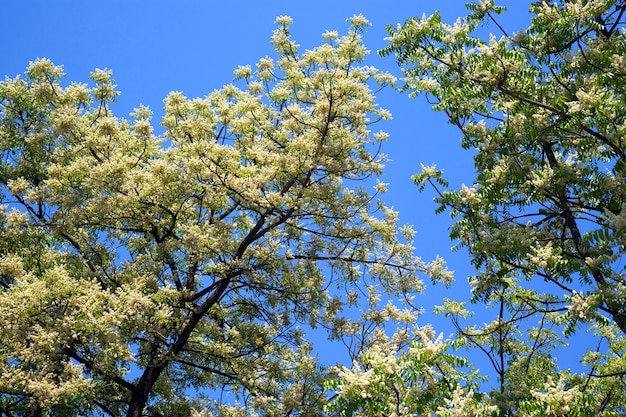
419 379
141 274
544 113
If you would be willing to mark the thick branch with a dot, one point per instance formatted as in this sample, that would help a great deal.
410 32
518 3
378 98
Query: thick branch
613 306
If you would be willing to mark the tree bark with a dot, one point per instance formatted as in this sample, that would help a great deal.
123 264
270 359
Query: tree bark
139 397
140 394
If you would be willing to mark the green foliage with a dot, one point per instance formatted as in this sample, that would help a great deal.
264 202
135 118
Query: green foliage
543 111
141 273
388 380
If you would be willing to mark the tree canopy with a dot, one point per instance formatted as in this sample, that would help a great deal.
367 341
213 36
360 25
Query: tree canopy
141 273
544 113
182 273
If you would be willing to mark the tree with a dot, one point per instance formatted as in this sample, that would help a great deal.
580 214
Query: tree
421 379
544 112
140 273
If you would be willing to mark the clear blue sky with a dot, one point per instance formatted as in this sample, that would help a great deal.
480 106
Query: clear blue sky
154 47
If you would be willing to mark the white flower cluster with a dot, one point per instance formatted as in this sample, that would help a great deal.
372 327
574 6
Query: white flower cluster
616 221
541 256
582 307
556 398
463 404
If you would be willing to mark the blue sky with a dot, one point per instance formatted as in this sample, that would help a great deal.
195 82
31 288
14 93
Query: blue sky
154 47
